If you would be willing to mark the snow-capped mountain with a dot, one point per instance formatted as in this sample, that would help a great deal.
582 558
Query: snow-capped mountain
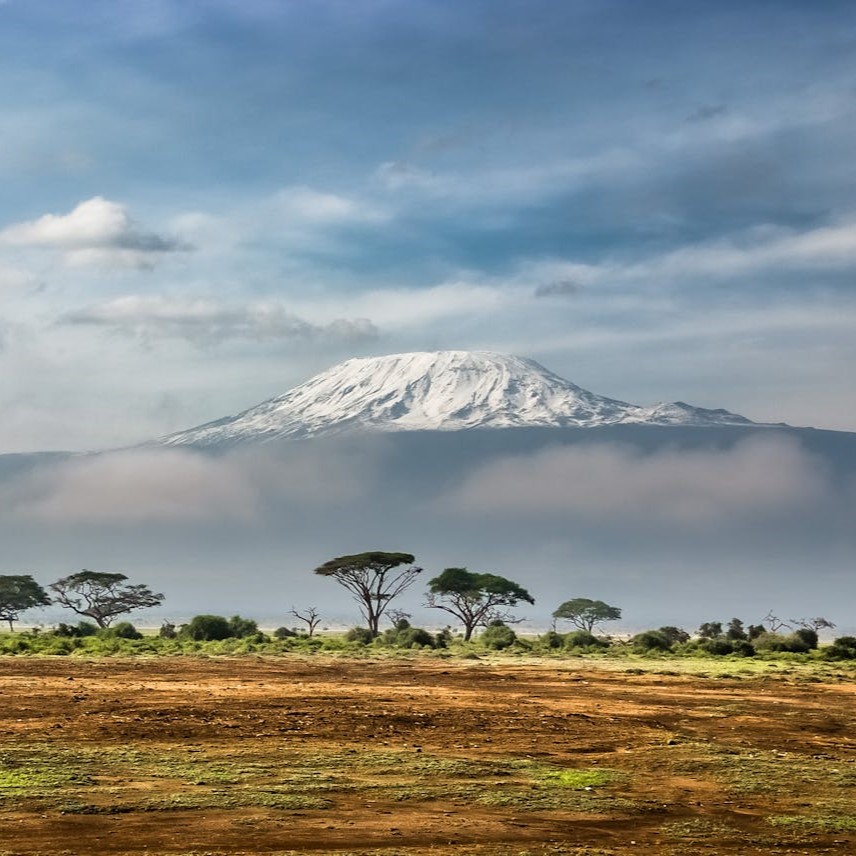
437 391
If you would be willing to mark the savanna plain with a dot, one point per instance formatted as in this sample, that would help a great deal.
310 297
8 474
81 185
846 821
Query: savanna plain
425 754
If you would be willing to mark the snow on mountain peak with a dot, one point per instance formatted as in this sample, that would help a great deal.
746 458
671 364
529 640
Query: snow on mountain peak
436 391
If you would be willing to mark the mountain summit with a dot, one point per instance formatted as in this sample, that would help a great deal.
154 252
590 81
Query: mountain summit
437 391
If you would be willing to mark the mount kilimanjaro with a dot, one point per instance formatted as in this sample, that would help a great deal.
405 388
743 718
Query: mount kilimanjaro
437 391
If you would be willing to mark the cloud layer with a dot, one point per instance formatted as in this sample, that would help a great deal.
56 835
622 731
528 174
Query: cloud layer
762 478
204 321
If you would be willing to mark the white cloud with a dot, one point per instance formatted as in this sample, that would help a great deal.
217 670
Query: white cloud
299 205
826 248
756 251
13 278
204 321
96 232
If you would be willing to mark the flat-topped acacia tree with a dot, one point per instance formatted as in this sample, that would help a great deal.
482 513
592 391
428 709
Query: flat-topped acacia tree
102 596
374 579
586 614
475 600
18 593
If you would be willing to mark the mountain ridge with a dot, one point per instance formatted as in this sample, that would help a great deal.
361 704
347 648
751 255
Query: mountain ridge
437 391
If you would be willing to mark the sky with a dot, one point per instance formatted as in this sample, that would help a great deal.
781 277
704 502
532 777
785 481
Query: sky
205 204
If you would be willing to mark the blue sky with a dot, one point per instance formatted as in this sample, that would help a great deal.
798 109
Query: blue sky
204 204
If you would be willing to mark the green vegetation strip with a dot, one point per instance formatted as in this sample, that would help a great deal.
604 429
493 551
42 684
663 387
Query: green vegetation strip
48 777
815 823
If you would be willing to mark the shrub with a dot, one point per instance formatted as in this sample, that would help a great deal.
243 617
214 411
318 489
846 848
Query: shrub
552 640
675 635
710 630
743 647
443 638
843 648
775 642
402 635
361 635
807 635
242 628
717 647
122 630
75 631
652 640
583 639
284 633
167 631
207 628
736 631
414 637
498 636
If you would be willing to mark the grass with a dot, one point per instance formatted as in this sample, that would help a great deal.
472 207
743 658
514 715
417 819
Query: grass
810 666
815 822
121 780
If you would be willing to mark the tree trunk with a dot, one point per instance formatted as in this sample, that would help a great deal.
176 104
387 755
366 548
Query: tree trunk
374 624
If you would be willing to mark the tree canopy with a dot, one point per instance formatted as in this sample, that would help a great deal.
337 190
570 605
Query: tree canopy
476 600
587 614
18 593
102 596
374 579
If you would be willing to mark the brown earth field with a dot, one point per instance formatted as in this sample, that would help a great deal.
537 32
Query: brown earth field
419 755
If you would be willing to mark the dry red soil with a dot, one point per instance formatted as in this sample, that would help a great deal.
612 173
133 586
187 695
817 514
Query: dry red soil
694 764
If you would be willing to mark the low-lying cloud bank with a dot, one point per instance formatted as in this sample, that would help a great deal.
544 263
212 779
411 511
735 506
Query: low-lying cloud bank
758 478
176 486
759 523
761 479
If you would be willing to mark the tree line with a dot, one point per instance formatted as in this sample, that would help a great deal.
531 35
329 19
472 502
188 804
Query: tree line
375 579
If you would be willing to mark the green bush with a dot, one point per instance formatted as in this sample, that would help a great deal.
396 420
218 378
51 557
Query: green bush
498 636
651 640
743 648
843 648
719 647
675 635
583 639
242 628
551 640
361 635
405 636
807 635
167 631
122 630
284 633
75 631
775 642
207 628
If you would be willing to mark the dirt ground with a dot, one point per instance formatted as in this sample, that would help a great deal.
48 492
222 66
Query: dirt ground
411 756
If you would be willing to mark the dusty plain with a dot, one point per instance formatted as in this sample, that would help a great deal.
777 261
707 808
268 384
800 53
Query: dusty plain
420 755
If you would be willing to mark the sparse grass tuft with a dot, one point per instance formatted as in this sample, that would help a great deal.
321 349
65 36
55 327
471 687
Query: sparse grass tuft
815 823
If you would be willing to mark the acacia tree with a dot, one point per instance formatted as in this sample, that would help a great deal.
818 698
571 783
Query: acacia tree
102 596
817 623
475 599
586 614
374 579
18 593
